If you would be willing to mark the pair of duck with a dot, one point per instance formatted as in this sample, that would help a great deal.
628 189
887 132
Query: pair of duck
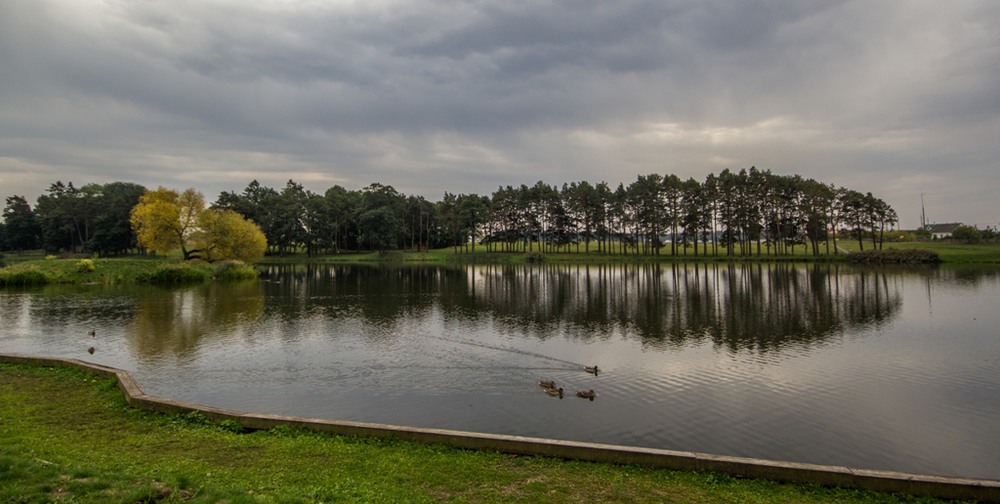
552 390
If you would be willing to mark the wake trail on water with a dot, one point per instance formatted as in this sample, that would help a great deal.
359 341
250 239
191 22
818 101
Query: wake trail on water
474 368
510 350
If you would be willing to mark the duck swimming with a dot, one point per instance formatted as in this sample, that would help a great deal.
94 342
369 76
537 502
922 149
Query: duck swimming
555 392
586 394
549 384
592 369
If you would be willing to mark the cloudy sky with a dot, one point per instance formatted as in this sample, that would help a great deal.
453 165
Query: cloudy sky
897 98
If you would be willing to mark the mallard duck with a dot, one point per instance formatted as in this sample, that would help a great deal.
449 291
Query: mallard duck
549 384
91 350
586 394
554 392
591 369
92 333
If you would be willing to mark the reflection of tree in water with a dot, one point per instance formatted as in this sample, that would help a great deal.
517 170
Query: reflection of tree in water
964 276
759 306
380 295
177 321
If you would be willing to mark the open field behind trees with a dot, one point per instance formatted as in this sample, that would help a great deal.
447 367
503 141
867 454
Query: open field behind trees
67 436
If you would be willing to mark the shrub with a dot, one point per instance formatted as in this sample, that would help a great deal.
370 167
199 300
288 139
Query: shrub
893 256
233 270
393 256
85 266
967 234
183 273
22 276
534 257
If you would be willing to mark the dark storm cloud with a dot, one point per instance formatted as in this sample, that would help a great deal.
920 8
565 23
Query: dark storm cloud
898 98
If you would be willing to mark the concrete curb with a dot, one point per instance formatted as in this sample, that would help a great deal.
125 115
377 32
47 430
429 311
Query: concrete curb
881 481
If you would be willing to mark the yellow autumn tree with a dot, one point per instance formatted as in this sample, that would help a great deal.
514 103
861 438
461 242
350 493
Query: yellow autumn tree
164 220
225 234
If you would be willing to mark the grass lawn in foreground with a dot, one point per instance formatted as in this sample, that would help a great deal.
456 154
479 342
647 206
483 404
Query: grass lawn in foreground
66 436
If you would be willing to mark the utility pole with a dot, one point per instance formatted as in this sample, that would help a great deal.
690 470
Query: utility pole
923 215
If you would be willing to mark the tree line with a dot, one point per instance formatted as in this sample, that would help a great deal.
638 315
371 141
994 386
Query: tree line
733 213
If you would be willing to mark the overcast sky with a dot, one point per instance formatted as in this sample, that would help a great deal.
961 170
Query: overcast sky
897 98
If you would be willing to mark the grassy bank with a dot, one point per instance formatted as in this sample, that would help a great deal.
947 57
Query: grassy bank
949 252
120 271
68 436
36 270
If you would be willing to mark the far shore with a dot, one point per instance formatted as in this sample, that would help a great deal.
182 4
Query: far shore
36 268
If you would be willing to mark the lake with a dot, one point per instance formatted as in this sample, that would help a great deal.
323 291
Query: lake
895 369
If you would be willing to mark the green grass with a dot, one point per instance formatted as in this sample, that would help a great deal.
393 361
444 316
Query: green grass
11 257
25 271
162 271
66 436
950 252
565 254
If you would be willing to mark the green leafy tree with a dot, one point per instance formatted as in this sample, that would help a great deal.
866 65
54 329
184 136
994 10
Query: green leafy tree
112 230
645 196
447 209
381 203
344 209
672 200
695 217
21 230
814 205
257 203
966 234
419 219
505 215
587 208
318 223
473 211
55 213
854 214
289 211
380 229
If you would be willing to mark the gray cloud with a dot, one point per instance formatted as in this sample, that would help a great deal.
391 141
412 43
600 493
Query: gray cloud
896 98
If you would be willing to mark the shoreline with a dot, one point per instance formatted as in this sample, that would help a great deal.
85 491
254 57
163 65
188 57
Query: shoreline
983 490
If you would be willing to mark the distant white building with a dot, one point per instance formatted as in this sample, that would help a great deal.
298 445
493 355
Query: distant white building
941 231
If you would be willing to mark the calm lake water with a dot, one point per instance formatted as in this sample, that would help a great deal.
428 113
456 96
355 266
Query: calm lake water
877 368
